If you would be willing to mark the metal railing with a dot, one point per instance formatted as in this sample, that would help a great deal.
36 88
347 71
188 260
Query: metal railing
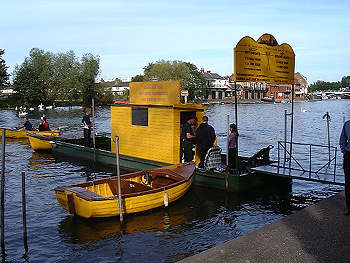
293 162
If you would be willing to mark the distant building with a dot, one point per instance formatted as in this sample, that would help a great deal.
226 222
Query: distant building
218 87
301 87
8 91
117 86
252 90
283 91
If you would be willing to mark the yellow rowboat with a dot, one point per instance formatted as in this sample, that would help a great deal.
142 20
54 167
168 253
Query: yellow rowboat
140 191
41 142
22 133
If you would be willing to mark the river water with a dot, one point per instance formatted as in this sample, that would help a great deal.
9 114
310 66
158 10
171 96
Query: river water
202 219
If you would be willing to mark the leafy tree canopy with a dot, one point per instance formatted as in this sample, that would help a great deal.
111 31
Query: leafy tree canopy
323 85
188 74
345 81
45 77
4 76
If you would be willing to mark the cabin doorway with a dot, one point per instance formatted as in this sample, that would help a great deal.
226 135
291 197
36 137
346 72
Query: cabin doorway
184 117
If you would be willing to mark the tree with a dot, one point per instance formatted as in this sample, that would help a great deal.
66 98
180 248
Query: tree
89 70
188 74
65 77
323 86
4 76
33 79
345 81
138 78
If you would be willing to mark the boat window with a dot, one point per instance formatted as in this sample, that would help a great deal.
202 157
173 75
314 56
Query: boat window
139 116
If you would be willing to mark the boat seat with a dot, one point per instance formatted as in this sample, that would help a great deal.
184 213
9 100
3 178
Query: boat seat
84 193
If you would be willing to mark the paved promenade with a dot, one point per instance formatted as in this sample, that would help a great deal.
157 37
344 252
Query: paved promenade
319 233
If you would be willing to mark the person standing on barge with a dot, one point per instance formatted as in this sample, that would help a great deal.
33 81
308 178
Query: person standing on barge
232 147
187 138
87 126
344 143
205 137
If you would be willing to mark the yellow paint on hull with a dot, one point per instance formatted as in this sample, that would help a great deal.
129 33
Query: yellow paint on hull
39 144
109 208
21 134
100 198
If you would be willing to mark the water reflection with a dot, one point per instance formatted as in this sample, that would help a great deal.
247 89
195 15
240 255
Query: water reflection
80 230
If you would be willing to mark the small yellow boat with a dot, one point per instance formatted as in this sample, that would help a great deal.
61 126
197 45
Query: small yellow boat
41 142
140 191
22 133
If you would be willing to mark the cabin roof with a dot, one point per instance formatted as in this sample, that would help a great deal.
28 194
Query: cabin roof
175 106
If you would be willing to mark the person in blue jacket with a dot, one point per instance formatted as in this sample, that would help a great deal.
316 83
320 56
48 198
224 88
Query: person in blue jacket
26 125
344 143
87 126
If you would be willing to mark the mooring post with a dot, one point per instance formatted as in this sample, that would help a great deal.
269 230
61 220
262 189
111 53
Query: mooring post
291 128
24 212
285 136
329 139
118 174
228 137
236 120
93 128
3 191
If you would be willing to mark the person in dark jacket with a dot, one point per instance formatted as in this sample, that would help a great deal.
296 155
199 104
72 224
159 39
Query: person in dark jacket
87 126
232 147
205 137
187 138
344 143
26 125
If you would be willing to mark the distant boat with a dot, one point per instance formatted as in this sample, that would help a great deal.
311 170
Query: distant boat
22 114
41 107
31 109
268 99
49 107
22 133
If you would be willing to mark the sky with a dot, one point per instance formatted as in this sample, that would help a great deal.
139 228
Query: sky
127 35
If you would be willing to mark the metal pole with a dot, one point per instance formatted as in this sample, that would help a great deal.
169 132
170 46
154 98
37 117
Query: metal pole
328 134
227 139
236 120
118 174
24 213
291 128
285 136
3 192
93 123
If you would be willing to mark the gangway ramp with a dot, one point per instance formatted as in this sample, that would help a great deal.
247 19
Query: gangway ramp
324 177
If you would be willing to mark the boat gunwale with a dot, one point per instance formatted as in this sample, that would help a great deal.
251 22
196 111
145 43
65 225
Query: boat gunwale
129 176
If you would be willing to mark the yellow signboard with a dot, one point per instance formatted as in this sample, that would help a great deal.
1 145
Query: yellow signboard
263 61
155 92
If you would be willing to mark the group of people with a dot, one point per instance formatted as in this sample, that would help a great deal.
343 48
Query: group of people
43 125
204 137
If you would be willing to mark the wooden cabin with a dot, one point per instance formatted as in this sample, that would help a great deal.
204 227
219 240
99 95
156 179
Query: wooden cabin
149 127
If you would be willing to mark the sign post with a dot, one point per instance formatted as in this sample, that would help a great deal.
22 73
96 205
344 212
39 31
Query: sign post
184 93
265 61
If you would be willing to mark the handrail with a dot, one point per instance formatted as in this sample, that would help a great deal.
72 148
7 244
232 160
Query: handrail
283 145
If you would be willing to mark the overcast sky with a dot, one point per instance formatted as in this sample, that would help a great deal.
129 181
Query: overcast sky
127 35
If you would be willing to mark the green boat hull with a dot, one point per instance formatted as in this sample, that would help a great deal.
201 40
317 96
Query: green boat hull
103 157
212 179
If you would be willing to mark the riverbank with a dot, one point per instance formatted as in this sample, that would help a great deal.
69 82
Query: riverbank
318 233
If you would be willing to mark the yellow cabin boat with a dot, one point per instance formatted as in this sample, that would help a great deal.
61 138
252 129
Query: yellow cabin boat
22 133
141 191
41 142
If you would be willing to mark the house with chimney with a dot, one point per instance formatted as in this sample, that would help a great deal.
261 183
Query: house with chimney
218 87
